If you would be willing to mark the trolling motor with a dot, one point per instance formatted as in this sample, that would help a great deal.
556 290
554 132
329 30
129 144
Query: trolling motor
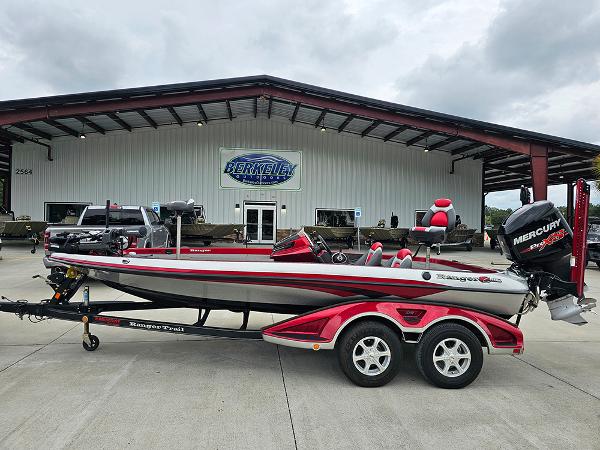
542 246
179 207
109 242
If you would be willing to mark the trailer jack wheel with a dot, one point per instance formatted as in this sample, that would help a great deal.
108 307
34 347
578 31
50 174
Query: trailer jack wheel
90 342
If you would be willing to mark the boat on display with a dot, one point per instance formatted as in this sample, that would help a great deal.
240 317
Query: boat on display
379 234
301 273
365 306
21 228
330 233
194 227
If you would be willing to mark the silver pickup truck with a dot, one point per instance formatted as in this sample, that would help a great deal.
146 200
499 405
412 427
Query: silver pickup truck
93 218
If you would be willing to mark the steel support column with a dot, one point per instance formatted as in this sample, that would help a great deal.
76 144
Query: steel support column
483 202
570 206
7 176
539 171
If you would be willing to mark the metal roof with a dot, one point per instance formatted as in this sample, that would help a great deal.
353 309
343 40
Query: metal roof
503 150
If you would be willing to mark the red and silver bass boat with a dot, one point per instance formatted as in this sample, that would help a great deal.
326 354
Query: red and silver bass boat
366 307
302 274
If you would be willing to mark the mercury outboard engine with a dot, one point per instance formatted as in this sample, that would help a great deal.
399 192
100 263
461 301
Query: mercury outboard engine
545 251
537 237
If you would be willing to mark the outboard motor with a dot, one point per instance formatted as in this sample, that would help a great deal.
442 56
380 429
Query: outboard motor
537 237
546 252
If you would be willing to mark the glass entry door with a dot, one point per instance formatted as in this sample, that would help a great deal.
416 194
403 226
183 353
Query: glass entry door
260 222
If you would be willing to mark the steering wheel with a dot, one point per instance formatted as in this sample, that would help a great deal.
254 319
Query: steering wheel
324 245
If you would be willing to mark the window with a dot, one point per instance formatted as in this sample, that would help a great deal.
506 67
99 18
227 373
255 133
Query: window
118 217
419 214
334 217
152 216
63 212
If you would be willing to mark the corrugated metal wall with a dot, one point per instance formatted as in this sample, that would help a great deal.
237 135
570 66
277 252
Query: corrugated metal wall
339 171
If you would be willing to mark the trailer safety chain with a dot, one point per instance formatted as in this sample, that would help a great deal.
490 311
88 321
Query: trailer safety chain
22 311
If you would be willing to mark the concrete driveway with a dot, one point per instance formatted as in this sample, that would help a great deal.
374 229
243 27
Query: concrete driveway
142 389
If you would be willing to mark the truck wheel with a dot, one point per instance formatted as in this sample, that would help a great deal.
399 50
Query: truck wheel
449 356
369 354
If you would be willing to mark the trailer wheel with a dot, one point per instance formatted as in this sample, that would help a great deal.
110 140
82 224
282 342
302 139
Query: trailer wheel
369 354
449 356
469 247
95 342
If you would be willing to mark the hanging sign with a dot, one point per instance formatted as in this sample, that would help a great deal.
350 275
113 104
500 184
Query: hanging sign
260 169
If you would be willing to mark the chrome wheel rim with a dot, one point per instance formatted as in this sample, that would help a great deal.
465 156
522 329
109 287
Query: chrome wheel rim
452 357
371 356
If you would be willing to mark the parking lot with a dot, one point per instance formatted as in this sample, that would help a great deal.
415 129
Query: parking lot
142 389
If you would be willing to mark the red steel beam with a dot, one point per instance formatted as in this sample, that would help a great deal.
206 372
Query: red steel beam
10 117
494 139
539 171
516 145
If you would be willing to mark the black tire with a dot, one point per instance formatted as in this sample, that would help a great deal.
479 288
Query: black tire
94 341
469 247
428 345
207 243
360 333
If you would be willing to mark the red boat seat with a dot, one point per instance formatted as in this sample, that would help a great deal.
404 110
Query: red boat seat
439 220
402 260
372 257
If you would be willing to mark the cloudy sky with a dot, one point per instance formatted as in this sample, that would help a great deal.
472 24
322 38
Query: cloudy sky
533 64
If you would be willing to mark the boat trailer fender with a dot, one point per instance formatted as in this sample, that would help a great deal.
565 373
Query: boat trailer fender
321 329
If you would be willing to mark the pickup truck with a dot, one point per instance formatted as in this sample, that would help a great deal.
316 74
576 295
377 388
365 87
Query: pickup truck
93 219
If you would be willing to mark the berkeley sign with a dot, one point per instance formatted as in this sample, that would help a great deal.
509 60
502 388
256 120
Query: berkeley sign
260 169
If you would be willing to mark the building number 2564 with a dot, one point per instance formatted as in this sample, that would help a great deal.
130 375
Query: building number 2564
24 171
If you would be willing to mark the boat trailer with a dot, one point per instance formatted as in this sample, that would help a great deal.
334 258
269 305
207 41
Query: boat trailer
368 334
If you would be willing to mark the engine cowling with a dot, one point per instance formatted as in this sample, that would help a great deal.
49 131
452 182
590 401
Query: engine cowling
537 237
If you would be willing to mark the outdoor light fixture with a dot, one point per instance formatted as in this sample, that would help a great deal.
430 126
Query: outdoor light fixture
283 209
323 129
426 149
199 123
81 136
237 207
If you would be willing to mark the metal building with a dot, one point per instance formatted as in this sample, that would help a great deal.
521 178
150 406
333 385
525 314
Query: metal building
268 149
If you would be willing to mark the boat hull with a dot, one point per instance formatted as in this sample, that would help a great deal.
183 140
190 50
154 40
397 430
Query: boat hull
297 287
